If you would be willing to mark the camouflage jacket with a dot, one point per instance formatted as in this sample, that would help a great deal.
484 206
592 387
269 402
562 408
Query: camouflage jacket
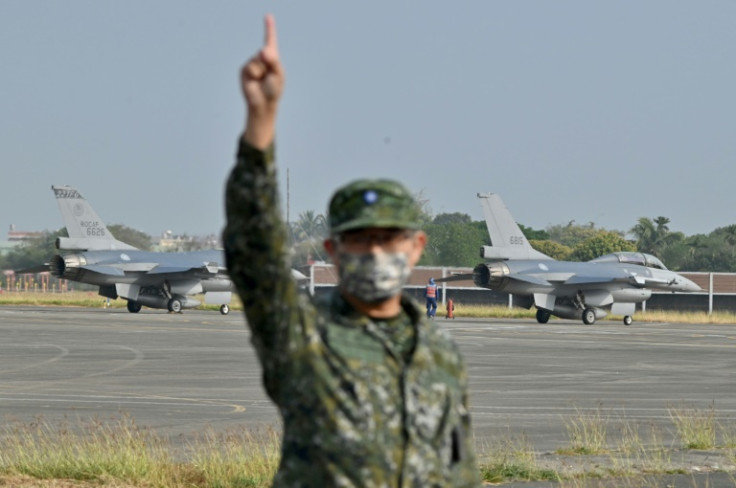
355 413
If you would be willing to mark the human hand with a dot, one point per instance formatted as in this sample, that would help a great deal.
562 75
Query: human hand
262 82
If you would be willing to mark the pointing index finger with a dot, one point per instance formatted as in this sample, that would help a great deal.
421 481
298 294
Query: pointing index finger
270 41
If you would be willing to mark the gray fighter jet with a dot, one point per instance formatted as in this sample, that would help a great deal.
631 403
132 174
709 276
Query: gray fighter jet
612 283
154 279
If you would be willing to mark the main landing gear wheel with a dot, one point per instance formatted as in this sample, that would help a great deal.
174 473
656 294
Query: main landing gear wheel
175 305
543 316
225 309
628 320
588 316
133 307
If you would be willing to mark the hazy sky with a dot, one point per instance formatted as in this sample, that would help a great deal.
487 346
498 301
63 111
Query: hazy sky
592 111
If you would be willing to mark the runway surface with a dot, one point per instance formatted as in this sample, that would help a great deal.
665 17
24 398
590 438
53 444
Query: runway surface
179 374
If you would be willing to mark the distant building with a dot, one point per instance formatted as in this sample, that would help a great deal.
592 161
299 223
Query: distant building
22 235
171 242
16 238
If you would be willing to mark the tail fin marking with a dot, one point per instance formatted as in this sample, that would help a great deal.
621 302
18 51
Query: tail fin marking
85 228
507 240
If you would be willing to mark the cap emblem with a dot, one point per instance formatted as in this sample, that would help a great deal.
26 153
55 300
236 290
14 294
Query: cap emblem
370 197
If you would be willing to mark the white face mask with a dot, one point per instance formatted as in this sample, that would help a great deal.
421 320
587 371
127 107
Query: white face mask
373 278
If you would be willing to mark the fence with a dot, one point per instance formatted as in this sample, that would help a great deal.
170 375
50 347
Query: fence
37 283
719 289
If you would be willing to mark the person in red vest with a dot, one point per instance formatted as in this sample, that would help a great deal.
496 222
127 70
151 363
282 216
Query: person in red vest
430 293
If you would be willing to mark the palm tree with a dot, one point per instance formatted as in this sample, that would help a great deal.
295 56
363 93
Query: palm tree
662 229
653 236
310 227
644 231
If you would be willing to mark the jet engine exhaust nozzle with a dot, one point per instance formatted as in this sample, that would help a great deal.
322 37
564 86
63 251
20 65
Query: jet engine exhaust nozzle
66 266
494 276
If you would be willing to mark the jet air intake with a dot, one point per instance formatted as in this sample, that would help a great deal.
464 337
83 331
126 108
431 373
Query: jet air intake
67 267
494 276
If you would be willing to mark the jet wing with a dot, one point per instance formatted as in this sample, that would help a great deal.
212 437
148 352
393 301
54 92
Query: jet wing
104 270
558 277
210 268
172 269
531 279
592 280
109 270
534 280
635 280
118 269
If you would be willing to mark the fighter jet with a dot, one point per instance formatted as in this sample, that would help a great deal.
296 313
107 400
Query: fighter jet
153 279
612 283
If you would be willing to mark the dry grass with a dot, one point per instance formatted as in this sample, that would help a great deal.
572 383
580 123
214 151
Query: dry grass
638 451
92 299
686 317
119 453
88 299
89 450
241 457
607 450
696 428
588 432
69 299
503 311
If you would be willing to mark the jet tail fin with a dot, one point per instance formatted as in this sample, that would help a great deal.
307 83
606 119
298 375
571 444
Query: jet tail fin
507 240
85 228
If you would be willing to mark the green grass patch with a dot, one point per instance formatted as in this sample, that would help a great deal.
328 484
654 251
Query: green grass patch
513 459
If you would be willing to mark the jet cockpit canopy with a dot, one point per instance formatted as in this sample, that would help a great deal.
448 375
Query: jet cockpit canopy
639 258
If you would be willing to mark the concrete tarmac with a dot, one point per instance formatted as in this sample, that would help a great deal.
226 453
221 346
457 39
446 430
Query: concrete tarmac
180 374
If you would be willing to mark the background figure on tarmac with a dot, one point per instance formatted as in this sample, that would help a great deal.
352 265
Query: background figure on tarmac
430 294
371 393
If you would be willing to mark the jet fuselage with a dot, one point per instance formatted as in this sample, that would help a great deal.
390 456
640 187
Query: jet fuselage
527 277
142 268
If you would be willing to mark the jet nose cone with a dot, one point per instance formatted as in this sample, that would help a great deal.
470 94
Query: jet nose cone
690 286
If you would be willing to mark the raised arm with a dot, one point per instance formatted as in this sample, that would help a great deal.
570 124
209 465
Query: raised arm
262 82
255 236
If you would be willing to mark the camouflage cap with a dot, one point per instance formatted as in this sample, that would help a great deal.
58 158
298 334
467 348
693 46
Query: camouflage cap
372 203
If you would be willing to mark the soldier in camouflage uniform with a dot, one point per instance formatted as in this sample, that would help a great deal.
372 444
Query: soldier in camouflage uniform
371 394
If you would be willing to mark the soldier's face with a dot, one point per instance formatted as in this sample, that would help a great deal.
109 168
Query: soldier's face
378 240
374 264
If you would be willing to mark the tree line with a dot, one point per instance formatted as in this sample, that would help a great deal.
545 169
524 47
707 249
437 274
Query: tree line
455 240
38 251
